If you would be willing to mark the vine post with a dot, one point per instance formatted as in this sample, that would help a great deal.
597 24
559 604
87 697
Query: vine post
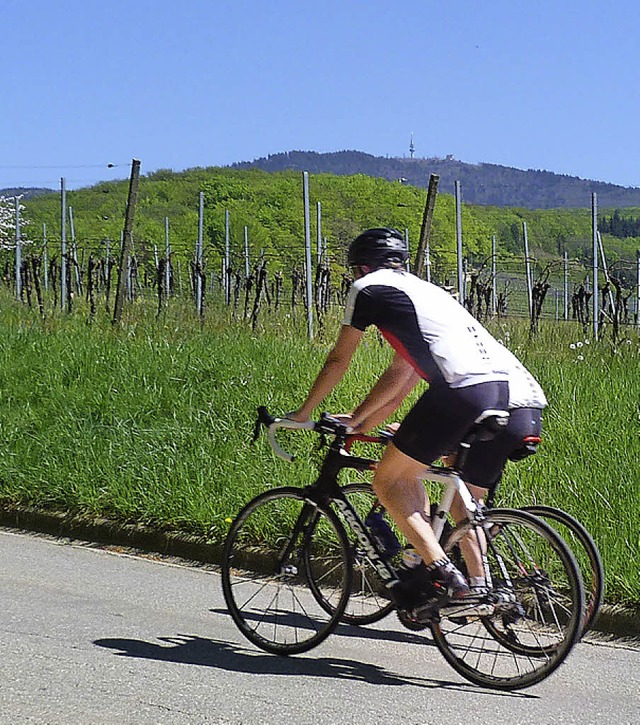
458 197
594 230
63 238
527 269
126 240
638 288
422 255
307 248
18 251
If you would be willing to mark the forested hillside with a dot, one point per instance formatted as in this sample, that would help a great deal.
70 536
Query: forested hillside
488 184
24 192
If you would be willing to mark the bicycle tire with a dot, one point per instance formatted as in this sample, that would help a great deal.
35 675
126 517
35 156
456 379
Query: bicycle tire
586 554
525 639
265 586
367 603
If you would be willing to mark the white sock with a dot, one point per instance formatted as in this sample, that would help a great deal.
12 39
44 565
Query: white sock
477 581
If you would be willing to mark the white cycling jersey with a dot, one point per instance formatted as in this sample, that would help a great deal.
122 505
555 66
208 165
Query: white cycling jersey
437 335
524 389
427 326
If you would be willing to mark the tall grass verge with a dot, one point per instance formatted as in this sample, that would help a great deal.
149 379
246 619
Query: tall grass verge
152 422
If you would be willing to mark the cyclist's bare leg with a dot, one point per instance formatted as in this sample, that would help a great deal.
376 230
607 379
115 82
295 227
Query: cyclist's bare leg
398 485
473 545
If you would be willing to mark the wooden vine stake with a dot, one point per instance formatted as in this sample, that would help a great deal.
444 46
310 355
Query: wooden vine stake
427 218
126 242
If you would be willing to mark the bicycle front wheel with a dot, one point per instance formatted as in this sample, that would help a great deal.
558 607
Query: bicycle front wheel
273 544
537 602
586 554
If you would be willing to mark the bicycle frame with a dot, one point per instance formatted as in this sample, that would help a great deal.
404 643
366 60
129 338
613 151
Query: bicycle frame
453 485
327 489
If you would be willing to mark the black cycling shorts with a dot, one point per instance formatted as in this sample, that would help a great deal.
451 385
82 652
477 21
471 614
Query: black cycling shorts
485 460
443 416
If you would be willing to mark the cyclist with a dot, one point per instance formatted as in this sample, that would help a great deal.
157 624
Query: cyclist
435 339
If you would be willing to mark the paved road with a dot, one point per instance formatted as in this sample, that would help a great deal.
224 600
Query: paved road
90 636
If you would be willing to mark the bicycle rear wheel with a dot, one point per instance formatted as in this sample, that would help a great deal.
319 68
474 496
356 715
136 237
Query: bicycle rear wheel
274 543
367 603
536 614
586 554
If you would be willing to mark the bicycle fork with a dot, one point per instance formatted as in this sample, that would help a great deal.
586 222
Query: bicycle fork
296 543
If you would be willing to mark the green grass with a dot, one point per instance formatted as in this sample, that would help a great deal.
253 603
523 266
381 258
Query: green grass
152 422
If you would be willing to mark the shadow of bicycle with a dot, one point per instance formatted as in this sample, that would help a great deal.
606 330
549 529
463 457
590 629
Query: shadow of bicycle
204 652
377 632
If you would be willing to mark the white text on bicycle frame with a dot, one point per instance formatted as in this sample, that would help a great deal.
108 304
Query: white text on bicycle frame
372 554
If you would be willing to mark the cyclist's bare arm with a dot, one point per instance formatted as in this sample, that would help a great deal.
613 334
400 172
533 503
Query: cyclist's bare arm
333 370
393 386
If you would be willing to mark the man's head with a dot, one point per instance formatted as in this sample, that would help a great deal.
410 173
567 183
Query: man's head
379 247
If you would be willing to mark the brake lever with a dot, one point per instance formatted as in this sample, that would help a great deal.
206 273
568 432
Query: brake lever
264 419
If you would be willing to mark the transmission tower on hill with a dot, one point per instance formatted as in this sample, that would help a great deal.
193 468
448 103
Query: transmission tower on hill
412 148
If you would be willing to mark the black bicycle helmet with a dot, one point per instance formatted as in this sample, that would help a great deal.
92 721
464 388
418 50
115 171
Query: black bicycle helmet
376 246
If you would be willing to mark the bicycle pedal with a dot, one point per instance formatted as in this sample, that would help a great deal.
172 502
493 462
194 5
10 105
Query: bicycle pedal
502 598
513 615
425 613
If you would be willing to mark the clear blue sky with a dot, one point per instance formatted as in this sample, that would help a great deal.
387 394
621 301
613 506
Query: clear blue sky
543 85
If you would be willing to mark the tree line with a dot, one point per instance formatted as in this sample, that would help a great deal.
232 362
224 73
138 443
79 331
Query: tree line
619 226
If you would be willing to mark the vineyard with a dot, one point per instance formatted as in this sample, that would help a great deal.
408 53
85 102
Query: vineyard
258 246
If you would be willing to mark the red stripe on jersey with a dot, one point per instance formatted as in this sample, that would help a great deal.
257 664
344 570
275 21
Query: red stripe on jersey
397 345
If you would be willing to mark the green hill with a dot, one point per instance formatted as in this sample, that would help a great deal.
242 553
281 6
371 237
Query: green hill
270 206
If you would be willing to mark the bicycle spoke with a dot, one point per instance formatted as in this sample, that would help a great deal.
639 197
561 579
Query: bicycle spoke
585 553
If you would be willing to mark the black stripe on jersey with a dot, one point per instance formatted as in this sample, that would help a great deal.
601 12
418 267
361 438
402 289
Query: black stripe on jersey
394 314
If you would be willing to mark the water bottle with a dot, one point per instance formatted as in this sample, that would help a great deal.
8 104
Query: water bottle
382 533
410 558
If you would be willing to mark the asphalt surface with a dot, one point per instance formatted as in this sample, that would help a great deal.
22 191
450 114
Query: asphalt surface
92 635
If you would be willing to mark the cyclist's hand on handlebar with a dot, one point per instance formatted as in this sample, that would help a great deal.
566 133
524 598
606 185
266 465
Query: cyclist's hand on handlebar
293 421
347 420
352 424
297 415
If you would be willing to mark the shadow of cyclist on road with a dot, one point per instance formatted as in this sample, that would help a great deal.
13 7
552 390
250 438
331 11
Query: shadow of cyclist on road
194 650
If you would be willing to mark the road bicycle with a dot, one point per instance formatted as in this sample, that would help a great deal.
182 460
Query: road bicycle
292 559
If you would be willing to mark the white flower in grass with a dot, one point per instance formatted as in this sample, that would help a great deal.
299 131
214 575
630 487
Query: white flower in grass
572 346
580 357
587 342
578 344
